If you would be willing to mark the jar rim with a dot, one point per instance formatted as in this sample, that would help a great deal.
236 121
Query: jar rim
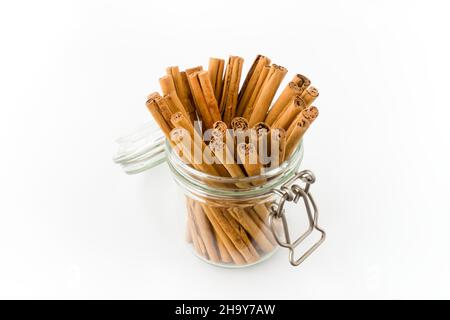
200 182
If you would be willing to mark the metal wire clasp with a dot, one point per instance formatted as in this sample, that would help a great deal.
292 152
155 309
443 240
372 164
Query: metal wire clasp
290 191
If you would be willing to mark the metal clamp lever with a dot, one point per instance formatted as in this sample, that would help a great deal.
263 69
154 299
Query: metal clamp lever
290 191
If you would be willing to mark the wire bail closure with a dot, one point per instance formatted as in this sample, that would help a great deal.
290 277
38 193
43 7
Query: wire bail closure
289 192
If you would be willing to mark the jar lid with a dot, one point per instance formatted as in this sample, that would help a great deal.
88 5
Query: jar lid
141 149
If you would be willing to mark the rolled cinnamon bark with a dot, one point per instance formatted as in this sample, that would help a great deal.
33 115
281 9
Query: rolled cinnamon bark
215 216
239 123
181 138
234 235
262 142
165 109
200 101
307 117
278 146
190 71
236 256
262 211
250 226
296 105
230 90
309 95
261 223
241 231
283 100
197 241
224 254
205 232
215 71
240 130
219 149
208 94
182 90
224 155
309 114
152 106
187 92
168 88
248 156
162 106
302 81
167 84
175 104
268 91
198 145
250 83
219 130
250 105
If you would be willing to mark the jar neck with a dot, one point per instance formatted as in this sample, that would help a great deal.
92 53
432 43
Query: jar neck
197 183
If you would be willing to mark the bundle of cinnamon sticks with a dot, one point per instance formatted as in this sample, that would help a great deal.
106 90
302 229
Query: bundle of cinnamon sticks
244 123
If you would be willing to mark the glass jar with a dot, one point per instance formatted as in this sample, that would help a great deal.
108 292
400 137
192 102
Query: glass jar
231 222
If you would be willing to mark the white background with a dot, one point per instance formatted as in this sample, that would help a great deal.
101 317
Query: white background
74 76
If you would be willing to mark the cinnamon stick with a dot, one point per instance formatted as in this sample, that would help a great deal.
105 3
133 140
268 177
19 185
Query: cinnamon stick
296 105
230 90
278 146
182 90
241 231
236 256
207 161
208 94
250 83
268 91
205 232
223 154
307 114
248 156
299 129
283 100
215 71
250 105
152 106
190 71
244 219
302 81
200 102
199 246
309 95
224 254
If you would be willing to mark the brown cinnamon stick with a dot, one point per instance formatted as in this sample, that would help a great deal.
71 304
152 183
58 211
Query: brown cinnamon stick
309 95
250 83
268 91
152 106
250 105
215 71
224 254
229 245
199 99
241 231
277 146
244 219
230 90
307 117
208 94
296 105
182 90
302 81
205 232
248 156
282 102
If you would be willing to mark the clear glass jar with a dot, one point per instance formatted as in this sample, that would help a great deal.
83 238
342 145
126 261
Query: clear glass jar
231 222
